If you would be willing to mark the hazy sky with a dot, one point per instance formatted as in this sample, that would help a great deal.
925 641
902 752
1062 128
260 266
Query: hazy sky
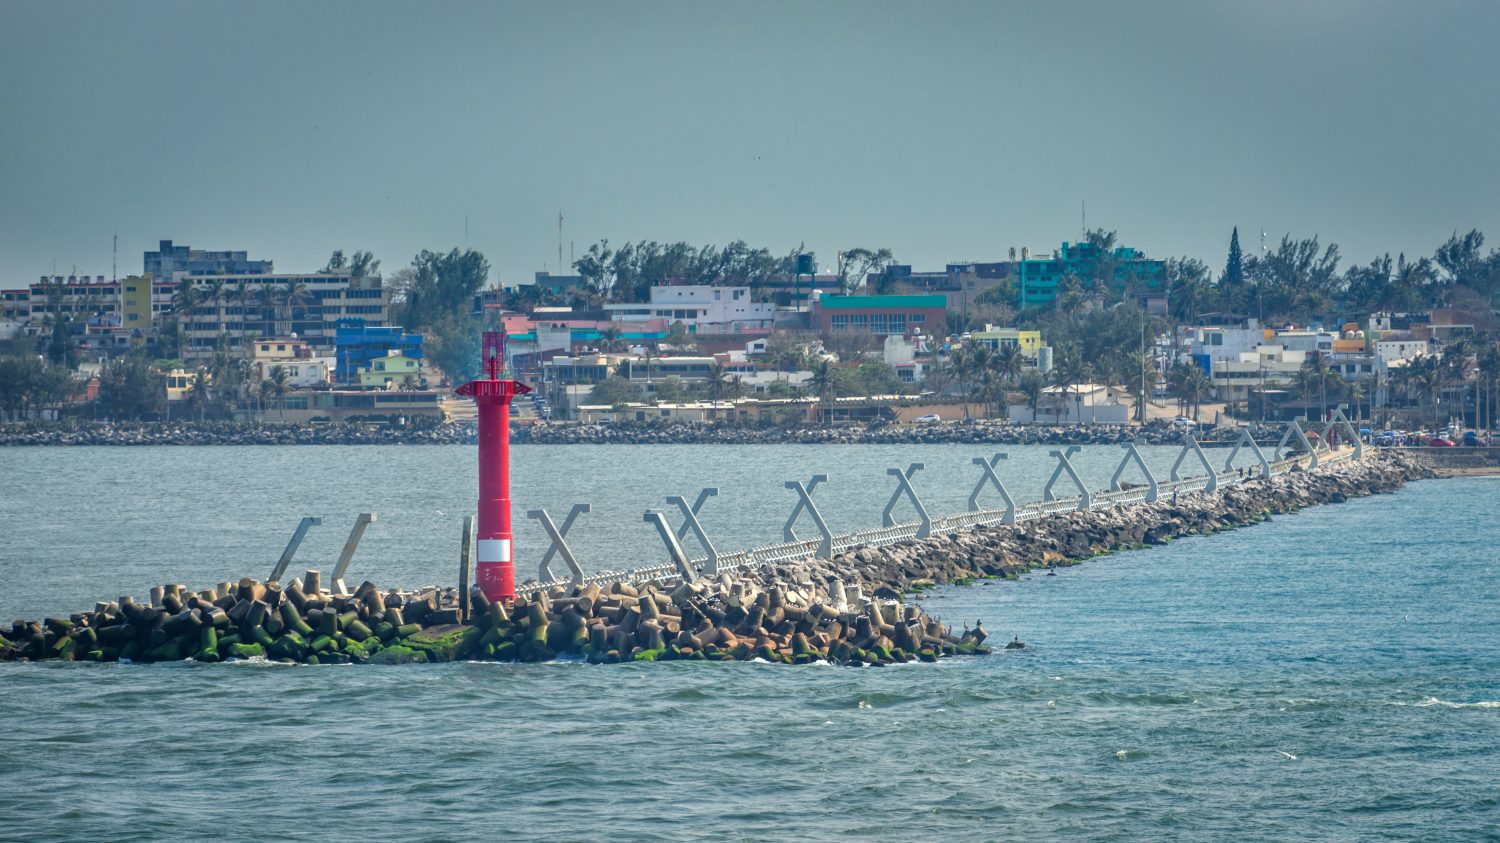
941 130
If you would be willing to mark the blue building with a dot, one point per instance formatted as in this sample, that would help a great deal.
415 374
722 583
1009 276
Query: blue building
170 258
356 344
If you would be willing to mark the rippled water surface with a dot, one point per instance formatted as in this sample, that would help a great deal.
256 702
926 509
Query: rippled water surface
1330 675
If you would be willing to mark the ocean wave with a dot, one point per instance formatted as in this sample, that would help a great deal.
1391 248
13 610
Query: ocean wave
1434 701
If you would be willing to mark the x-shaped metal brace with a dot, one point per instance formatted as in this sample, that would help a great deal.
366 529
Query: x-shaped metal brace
903 486
805 502
691 524
559 545
991 478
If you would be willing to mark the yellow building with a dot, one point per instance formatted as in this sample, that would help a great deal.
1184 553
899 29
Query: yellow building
997 338
180 381
135 302
390 371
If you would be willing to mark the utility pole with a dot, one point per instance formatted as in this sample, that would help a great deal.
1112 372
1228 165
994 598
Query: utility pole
559 242
114 261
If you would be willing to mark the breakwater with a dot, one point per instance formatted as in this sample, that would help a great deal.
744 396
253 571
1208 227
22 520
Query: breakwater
571 433
784 616
851 609
1072 537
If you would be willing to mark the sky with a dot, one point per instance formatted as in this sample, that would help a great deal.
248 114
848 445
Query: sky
943 131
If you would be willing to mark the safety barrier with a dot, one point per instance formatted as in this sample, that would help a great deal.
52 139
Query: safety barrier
827 543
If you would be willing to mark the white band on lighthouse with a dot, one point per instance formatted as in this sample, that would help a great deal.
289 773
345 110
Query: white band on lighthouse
494 550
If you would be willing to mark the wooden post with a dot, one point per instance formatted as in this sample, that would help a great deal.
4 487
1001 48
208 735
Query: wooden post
463 568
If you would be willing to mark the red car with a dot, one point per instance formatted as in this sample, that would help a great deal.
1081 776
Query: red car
1439 442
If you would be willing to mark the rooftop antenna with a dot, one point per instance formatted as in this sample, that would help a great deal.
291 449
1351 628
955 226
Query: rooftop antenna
466 231
1263 240
114 261
1083 232
559 242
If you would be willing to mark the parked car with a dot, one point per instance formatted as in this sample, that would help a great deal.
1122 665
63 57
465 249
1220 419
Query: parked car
930 418
1472 440
1183 421
1439 442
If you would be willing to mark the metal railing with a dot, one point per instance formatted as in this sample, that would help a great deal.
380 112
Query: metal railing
791 551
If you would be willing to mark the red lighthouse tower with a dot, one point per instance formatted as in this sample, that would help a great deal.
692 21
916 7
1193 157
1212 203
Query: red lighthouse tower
495 572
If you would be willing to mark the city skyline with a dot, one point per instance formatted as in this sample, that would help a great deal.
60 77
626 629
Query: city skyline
950 132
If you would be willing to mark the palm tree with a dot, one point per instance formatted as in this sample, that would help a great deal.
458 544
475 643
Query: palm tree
183 302
1356 393
1487 363
1139 375
1305 379
1316 366
1195 388
609 338
242 296
1071 371
266 298
278 381
1033 385
823 381
1426 376
293 294
1009 362
717 378
1455 366
408 382
215 295
198 393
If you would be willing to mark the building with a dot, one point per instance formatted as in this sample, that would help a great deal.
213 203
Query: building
295 358
1029 342
882 315
392 372
1086 403
136 311
357 346
1038 280
701 308
92 301
312 306
346 405
170 260
690 369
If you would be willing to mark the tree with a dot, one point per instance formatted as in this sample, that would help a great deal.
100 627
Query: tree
1139 373
1068 371
278 379
60 348
855 265
1461 261
198 396
824 381
1190 385
443 287
1009 362
718 378
1234 267
614 391
215 295
609 339
293 293
1033 385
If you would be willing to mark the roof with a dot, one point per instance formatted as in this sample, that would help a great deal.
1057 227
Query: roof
873 302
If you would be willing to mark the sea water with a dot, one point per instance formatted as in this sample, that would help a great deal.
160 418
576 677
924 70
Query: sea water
1331 674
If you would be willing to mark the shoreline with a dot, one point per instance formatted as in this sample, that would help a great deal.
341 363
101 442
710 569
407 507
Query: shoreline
571 433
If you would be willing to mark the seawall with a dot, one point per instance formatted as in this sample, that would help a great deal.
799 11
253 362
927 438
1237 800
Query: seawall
570 433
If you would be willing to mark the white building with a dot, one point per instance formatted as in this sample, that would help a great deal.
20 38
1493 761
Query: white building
1088 403
703 309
